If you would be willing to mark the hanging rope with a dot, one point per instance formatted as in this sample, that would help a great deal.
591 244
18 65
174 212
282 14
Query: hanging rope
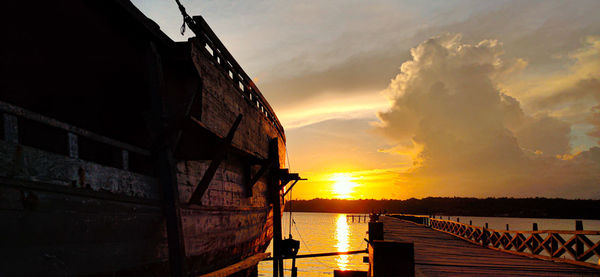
186 18
290 200
310 251
291 219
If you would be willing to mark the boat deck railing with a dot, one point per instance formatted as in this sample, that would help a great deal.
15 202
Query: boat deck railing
21 126
573 246
214 49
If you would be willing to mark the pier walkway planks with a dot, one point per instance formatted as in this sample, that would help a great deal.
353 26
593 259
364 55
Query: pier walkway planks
441 254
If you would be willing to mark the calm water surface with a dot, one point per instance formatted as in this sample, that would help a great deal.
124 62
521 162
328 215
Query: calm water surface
319 233
329 232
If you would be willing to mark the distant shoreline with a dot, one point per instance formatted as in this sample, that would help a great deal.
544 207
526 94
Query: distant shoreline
557 208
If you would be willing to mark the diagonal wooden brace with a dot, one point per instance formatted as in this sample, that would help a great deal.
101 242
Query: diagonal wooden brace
285 176
261 172
221 154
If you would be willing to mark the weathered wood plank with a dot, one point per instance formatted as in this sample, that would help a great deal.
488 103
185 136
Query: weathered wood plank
214 164
237 267
166 165
438 253
80 216
11 130
26 163
118 235
222 102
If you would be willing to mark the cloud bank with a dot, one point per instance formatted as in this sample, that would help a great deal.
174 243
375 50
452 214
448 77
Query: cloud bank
468 136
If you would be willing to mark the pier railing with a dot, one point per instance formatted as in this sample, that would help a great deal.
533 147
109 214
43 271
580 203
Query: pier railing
578 246
358 217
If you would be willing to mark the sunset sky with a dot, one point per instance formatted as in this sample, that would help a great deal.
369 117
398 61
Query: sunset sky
401 99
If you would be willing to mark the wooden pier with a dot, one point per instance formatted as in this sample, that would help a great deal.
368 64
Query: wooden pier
438 253
358 217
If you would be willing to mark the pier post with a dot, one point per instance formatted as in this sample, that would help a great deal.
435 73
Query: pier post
391 258
553 245
507 227
484 236
470 222
578 242
534 243
274 184
375 231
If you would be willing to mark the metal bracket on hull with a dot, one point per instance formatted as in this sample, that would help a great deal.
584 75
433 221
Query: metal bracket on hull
285 176
221 154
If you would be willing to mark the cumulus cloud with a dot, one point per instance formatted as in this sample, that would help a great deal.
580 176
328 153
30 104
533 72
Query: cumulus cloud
594 119
573 93
544 134
577 89
472 138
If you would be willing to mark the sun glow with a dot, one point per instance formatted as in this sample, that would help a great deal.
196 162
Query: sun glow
343 185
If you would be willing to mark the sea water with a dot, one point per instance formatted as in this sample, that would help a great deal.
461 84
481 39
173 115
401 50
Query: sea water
331 232
320 233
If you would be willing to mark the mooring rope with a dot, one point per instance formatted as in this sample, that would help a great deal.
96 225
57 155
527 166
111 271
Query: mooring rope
291 218
287 154
310 251
292 221
187 19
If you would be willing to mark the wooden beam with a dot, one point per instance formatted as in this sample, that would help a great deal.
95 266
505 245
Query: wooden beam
11 131
187 113
252 158
11 128
221 154
323 254
274 190
74 145
166 167
237 267
261 172
285 176
290 188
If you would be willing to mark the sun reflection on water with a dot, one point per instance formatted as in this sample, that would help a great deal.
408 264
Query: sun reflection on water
342 239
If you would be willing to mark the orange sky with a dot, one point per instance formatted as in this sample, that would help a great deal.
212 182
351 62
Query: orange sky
401 99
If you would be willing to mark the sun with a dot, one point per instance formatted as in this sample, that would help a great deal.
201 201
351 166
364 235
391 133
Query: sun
343 185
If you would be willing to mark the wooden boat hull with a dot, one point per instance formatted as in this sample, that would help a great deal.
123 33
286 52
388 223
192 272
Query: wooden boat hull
55 224
80 189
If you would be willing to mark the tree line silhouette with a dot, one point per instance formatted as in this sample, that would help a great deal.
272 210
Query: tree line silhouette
508 207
